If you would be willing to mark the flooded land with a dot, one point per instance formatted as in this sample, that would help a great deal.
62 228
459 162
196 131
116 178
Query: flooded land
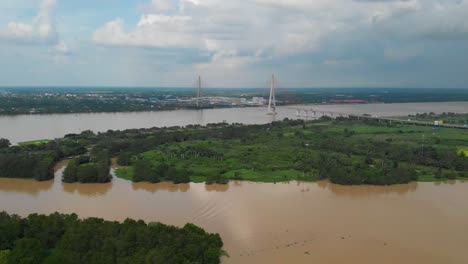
291 222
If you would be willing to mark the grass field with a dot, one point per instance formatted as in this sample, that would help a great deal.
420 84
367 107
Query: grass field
124 173
34 142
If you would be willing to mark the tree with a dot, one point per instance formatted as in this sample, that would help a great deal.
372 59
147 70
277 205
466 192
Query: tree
4 143
43 170
144 171
61 238
27 251
87 173
124 158
70 173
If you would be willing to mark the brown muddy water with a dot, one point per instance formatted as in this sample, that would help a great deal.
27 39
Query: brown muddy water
291 222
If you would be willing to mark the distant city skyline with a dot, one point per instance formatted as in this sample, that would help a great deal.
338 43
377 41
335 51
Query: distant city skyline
168 43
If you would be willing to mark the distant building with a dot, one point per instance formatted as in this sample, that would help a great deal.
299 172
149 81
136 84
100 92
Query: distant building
258 100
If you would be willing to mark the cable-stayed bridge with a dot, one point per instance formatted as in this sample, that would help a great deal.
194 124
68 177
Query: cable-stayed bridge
315 113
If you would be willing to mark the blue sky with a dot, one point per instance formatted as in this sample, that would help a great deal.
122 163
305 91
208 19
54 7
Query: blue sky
320 43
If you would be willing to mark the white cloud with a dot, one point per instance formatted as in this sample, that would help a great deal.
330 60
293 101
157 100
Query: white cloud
282 26
239 33
41 29
18 30
156 6
152 30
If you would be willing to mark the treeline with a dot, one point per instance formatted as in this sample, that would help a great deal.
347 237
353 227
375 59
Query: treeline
33 161
341 170
107 100
390 95
60 238
449 117
89 169
422 152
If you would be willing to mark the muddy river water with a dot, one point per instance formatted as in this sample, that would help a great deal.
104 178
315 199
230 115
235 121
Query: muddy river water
291 222
32 127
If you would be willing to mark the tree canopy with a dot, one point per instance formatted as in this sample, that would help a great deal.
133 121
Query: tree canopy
59 238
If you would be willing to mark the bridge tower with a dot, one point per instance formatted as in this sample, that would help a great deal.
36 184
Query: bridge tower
199 91
272 101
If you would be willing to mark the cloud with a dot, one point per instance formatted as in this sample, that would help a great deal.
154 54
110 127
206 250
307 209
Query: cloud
240 33
401 53
41 29
156 6
153 30
429 19
312 43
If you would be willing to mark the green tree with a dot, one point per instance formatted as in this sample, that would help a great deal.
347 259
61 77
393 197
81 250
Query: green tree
27 251
70 173
143 171
4 143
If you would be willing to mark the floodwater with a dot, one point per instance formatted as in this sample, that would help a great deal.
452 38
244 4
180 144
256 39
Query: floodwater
291 222
32 127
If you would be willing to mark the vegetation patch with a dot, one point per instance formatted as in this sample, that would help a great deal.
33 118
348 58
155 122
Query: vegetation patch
345 151
89 169
34 142
4 256
60 238
124 173
463 150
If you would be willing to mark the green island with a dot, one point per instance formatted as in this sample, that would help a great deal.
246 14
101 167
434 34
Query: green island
60 238
345 151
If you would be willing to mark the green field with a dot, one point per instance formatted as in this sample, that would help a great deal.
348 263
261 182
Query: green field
35 142
288 153
124 173
447 118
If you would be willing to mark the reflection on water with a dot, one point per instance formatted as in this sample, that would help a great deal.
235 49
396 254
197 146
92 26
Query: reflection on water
450 182
26 186
366 191
216 187
295 222
88 189
162 186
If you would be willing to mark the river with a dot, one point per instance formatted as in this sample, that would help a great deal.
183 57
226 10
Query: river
293 222
32 127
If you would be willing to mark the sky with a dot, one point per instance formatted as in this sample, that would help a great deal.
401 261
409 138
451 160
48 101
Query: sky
168 43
